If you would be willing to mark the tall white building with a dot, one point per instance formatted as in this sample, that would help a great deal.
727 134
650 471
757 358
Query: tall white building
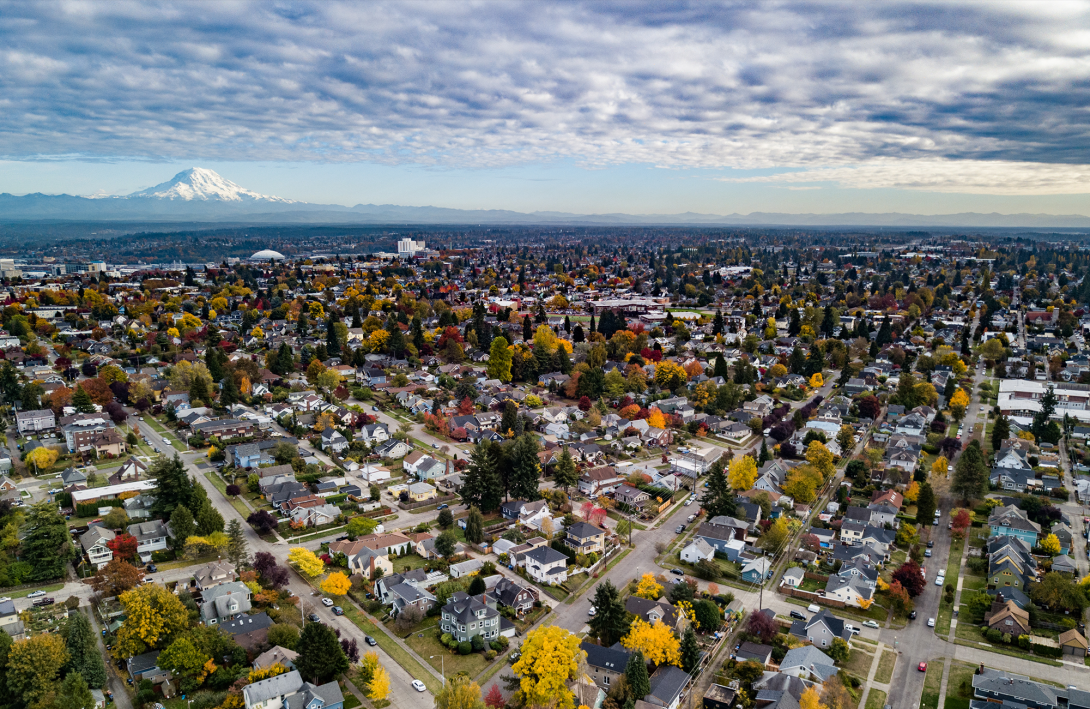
407 248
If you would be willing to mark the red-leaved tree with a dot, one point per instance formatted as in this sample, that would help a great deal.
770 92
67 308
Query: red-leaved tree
910 577
494 698
123 546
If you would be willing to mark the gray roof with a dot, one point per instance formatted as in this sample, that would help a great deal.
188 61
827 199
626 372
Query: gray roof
810 658
247 624
217 600
612 659
545 555
1005 685
143 663
273 687
94 535
667 683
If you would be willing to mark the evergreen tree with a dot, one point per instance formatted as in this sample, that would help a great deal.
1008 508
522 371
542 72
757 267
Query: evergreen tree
721 369
73 693
474 526
906 391
303 324
690 651
794 323
229 394
237 550
83 655
332 339
320 655
636 674
1000 432
565 474
718 324
527 329
81 401
285 360
925 504
765 456
174 487
182 524
578 335
815 363
198 390
970 473
611 621
828 321
509 421
395 344
796 363
563 362
718 498
482 486
416 329
214 364
885 333
525 469
208 519
46 546
1042 418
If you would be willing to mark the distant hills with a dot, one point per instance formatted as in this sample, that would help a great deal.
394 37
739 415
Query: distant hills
199 194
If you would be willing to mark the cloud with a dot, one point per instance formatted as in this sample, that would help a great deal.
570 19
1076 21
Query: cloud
923 95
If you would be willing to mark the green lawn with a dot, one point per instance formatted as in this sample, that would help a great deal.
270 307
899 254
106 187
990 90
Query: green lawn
859 663
931 684
398 653
409 562
442 659
953 566
959 685
238 504
24 592
885 667
876 699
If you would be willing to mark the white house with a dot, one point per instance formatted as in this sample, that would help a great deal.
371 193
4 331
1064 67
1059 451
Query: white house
94 542
546 565
373 474
289 691
697 550
150 537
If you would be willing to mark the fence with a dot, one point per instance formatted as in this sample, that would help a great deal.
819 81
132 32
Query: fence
426 503
812 597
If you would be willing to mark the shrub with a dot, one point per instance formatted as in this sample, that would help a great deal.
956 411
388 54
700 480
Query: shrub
490 655
465 648
503 641
445 639
233 490
477 642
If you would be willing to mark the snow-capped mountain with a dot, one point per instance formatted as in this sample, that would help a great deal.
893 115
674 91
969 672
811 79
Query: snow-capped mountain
204 185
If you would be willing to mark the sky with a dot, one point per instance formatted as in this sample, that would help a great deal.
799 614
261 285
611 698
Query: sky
645 108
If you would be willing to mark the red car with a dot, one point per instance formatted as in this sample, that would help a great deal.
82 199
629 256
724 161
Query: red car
923 667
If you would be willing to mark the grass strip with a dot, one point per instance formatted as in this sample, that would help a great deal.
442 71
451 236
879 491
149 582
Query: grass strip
931 684
885 667
876 699
391 648
238 504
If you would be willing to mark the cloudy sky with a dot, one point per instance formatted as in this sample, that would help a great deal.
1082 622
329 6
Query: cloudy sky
598 107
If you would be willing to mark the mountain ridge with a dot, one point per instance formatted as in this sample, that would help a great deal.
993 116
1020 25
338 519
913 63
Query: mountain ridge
201 194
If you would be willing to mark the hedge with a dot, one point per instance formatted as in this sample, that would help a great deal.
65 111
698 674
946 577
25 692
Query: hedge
1045 650
90 509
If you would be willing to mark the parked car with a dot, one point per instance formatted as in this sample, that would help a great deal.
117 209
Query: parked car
798 615
940 580
870 624
930 544
927 552
44 602
419 686
591 612
442 506
930 622
679 572
852 629
35 594
680 529
922 667
313 617
152 568
337 610
370 641
813 608
327 602
912 615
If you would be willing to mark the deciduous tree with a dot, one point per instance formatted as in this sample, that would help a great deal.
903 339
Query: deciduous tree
82 646
742 473
336 584
656 642
821 458
34 665
459 692
116 577
305 561
153 615
649 588
551 657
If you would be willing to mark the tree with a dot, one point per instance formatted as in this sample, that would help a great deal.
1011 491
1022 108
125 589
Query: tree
379 686
72 693
274 575
689 650
284 635
459 692
810 698
499 360
821 458
320 655
635 671
263 522
46 545
305 561
940 466
83 655
742 473
174 487
182 525
445 520
336 584
445 544
525 468
116 577
762 625
656 642
957 404
1051 544
1001 431
565 474
474 530
237 549
34 665
649 588
926 504
1042 418
802 483
912 492
1058 592
361 526
81 401
970 473
208 519
844 438
186 660
776 536
41 458
718 499
611 621
482 486
909 576
154 614
961 519
494 699
840 651
551 657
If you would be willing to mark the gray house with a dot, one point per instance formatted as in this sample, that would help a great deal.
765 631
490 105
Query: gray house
223 602
822 628
466 616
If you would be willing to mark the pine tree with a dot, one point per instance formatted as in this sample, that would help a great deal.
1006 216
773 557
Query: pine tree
208 518
182 525
636 674
765 456
885 333
796 363
174 487
1000 432
717 323
198 390
721 369
285 359
525 468
482 486
81 401
690 651
474 526
815 363
970 473
565 474
229 394
320 655
1042 418
83 655
302 325
611 621
718 497
332 340
563 362
237 550
925 504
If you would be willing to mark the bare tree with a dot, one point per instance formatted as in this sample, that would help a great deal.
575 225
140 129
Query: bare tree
409 619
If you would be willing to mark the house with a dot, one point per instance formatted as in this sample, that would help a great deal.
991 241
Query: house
719 531
697 550
419 492
667 687
289 691
391 543
362 559
821 629
852 590
469 567
94 542
393 448
213 574
333 440
249 631
755 570
276 655
150 537
1007 617
1064 564
585 538
1011 521
514 595
146 666
9 620
793 577
224 601
373 474
660 611
546 565
403 595
595 481
1007 690
1073 643
605 664
755 652
71 476
466 616
809 663
1013 479
633 498
35 421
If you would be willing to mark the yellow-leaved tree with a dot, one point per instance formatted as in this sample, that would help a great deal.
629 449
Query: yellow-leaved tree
656 641
152 613
306 561
551 657
460 692
821 458
380 685
742 473
42 458
777 371
649 588
34 665
656 419
957 404
817 381
336 584
939 467
912 492
1051 544
810 699
266 672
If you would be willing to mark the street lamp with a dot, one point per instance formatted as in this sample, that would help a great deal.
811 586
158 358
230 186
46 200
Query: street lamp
442 665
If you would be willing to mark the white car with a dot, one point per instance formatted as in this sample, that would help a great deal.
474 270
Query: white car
870 624
930 622
5 598
852 629
35 594
688 502
419 686
327 602
591 612
940 580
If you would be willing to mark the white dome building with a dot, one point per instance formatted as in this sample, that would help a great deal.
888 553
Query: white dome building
268 255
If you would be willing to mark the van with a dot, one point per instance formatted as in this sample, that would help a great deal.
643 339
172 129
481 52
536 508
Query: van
690 520
813 608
